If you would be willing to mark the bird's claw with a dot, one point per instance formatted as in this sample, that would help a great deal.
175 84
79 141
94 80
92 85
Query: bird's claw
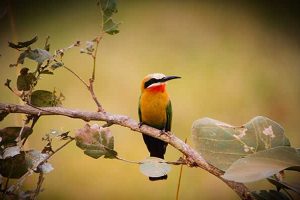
141 124
164 132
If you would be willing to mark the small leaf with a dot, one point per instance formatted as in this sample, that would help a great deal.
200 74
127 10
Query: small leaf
46 72
43 98
23 44
13 167
10 134
269 195
108 7
11 152
89 46
7 83
39 55
221 144
25 80
45 168
96 141
262 164
154 167
57 65
111 27
34 158
55 134
21 58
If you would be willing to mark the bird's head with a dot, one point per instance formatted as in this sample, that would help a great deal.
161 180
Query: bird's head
156 82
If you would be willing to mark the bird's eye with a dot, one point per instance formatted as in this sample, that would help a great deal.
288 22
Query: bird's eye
150 82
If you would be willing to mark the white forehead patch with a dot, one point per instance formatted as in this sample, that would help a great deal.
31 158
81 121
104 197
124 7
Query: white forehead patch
156 75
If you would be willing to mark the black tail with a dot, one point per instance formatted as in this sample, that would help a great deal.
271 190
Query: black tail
157 148
158 178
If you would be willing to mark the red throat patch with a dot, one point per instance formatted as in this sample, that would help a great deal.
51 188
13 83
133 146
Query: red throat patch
158 88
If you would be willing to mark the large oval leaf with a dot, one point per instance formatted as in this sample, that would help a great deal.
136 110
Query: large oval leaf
154 167
44 98
221 144
262 164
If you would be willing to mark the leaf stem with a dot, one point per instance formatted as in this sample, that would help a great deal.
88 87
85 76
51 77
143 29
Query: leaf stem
128 161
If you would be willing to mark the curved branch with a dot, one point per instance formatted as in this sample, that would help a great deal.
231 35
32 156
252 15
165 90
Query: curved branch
126 121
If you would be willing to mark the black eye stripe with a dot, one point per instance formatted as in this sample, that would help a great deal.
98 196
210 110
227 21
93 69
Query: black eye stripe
150 82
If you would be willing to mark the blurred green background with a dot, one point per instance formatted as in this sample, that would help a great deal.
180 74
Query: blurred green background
237 60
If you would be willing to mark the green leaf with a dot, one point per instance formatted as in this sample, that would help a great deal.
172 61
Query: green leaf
34 158
57 65
22 44
13 167
21 58
46 72
39 55
262 164
284 185
9 135
111 27
96 141
221 144
43 98
25 80
154 167
11 152
269 195
108 8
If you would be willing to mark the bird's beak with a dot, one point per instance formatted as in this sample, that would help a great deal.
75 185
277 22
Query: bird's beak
167 78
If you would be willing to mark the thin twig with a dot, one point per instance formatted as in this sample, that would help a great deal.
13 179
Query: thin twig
19 138
128 161
94 56
58 149
39 186
91 89
70 70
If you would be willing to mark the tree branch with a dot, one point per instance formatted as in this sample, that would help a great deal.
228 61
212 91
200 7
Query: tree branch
122 120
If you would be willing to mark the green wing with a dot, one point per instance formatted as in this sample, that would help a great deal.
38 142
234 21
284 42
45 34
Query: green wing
169 117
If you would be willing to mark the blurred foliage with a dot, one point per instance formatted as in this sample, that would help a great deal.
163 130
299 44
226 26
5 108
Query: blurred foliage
237 60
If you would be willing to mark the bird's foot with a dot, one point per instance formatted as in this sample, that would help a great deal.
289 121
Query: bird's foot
164 132
141 124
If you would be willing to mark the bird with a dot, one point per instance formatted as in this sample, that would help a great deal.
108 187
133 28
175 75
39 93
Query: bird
155 110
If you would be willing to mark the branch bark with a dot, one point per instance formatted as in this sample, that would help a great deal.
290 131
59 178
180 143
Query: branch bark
125 121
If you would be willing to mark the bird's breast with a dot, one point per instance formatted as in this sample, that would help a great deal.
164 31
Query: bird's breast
153 108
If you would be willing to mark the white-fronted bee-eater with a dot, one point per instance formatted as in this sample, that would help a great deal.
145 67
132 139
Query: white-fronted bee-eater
155 110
